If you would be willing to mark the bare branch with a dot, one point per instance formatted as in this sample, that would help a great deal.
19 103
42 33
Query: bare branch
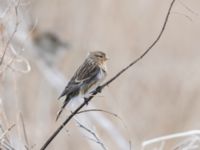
6 132
189 142
99 89
27 146
100 110
188 8
6 10
110 113
13 33
182 14
97 140
6 146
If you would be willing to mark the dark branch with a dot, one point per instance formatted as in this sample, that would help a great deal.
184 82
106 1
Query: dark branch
99 89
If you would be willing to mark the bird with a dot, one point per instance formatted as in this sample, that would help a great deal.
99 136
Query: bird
86 79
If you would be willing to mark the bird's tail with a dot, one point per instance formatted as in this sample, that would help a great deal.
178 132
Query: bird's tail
62 108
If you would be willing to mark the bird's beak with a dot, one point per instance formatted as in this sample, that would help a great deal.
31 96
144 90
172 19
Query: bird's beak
107 58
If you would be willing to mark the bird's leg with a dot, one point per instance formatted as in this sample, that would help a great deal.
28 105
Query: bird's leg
86 100
99 89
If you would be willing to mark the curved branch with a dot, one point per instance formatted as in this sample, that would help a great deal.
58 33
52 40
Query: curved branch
112 114
98 110
99 89
96 138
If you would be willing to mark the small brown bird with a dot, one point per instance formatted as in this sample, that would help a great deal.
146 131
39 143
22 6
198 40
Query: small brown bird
87 78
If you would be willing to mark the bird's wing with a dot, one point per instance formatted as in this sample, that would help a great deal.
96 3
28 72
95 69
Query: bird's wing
86 72
71 87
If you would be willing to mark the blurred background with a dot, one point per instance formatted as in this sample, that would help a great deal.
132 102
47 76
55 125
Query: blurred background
45 42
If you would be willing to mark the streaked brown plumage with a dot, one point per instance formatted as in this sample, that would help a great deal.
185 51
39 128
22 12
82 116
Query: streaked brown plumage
88 76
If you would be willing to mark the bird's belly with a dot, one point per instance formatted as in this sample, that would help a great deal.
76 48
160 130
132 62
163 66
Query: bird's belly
87 89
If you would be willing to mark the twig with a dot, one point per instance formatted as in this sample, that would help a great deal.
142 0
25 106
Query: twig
188 8
182 14
5 145
22 59
4 120
27 146
97 140
99 89
6 132
188 143
12 35
110 113
100 110
6 10
172 136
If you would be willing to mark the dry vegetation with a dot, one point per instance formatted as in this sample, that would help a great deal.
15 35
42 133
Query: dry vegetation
157 97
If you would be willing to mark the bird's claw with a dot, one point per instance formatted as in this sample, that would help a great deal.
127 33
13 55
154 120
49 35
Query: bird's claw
99 89
86 101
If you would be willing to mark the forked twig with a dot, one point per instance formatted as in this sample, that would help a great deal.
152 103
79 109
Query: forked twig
96 140
99 89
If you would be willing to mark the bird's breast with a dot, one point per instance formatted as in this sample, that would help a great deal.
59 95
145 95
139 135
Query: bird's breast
101 75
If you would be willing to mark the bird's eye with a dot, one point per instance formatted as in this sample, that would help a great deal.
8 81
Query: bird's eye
100 56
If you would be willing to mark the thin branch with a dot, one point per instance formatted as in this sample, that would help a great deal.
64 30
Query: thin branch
99 89
6 10
182 14
97 140
110 113
145 52
12 35
99 110
6 132
27 145
171 136
5 145
4 121
188 8
188 143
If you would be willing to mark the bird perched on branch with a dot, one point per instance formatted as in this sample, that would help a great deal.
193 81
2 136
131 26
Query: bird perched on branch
86 79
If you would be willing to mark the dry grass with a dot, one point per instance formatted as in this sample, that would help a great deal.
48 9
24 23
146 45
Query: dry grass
158 97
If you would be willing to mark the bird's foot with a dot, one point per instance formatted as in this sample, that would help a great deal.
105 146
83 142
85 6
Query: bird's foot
99 89
86 101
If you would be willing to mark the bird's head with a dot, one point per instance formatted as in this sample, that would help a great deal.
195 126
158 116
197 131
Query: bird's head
98 56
